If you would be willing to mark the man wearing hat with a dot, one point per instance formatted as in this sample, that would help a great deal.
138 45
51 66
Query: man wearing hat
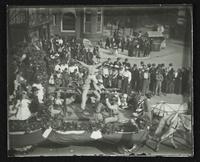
159 80
89 57
114 109
141 64
110 69
114 76
114 48
126 63
107 45
152 85
106 73
135 77
117 62
126 79
146 79
120 76
108 62
169 67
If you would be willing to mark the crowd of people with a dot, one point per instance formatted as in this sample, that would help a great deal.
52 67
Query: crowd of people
159 79
45 72
138 45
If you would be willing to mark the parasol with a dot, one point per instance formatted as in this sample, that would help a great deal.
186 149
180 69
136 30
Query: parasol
87 43
163 108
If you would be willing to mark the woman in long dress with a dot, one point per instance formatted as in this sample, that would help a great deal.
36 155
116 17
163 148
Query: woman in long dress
23 108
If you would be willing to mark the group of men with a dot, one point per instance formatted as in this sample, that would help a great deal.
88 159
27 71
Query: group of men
60 47
138 45
144 78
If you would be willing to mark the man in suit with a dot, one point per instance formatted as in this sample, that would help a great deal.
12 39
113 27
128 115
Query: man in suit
126 63
135 77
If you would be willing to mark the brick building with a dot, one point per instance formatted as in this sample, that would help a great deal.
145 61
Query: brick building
77 22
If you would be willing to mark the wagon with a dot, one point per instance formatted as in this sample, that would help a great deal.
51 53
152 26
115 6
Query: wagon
157 39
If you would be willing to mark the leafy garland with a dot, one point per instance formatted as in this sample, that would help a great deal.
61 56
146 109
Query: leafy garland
43 120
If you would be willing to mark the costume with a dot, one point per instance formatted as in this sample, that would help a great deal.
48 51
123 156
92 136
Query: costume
92 69
23 110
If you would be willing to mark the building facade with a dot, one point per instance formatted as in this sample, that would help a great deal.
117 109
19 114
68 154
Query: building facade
17 23
77 22
39 23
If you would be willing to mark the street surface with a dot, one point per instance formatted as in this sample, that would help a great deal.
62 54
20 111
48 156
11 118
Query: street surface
174 53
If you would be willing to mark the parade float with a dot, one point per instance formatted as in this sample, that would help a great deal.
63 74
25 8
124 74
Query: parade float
72 126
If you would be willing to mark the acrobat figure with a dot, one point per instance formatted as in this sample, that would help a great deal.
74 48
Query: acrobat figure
91 78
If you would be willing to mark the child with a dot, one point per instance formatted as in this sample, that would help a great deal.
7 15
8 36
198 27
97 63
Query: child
113 106
23 108
69 101
58 105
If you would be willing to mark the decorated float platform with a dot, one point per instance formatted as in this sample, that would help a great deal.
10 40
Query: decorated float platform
75 128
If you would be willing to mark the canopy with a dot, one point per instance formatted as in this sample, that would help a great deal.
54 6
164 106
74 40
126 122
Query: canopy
163 108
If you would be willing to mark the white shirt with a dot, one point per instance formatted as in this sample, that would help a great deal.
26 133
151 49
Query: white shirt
40 93
58 68
60 41
127 74
72 68
105 72
63 67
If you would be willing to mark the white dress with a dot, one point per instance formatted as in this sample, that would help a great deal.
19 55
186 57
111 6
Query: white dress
23 111
40 94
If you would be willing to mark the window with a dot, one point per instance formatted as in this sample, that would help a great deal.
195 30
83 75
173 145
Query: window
54 19
99 17
88 17
68 22
99 20
88 21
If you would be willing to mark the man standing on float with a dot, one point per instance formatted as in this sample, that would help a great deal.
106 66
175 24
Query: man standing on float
92 70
